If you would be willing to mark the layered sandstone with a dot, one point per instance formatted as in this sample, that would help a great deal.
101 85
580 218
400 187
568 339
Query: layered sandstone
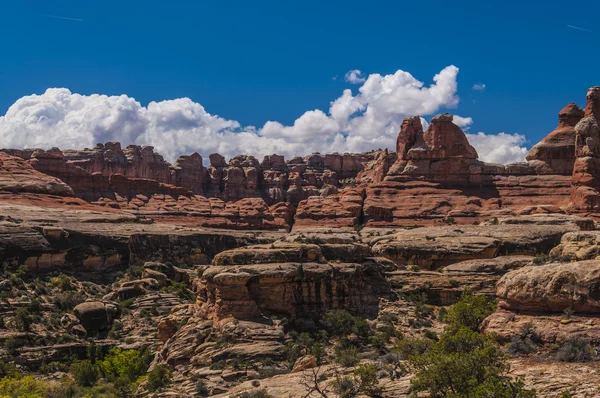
433 177
586 171
552 288
557 149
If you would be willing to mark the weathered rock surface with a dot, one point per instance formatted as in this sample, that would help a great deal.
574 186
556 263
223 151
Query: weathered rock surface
433 247
498 265
557 149
552 288
16 175
298 292
549 328
277 252
96 315
584 245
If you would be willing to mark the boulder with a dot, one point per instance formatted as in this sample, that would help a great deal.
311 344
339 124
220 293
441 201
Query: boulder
582 245
96 315
552 288
303 363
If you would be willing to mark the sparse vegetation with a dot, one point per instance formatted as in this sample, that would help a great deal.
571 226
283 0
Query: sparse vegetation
576 349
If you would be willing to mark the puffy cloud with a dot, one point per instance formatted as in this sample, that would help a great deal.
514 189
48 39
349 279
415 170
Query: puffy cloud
479 87
462 122
358 121
499 148
354 76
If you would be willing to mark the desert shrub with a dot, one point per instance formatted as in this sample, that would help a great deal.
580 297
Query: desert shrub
256 394
345 386
575 349
380 340
84 373
520 345
469 312
411 346
465 364
346 355
125 364
29 387
430 334
219 365
441 315
63 282
201 388
342 323
135 271
67 300
180 289
159 377
12 346
23 319
266 372
368 382
388 318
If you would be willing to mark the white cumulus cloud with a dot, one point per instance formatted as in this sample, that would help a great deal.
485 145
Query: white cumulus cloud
499 148
354 76
358 121
479 87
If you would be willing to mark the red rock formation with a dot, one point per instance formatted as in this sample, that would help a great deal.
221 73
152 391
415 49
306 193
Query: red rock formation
433 177
557 149
586 171
17 175
592 106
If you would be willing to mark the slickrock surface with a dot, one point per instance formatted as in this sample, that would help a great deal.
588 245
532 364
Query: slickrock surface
16 175
578 246
434 247
497 265
552 287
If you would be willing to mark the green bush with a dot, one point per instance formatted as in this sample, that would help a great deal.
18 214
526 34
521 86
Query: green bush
379 341
28 387
63 282
346 355
68 300
23 319
521 346
465 364
411 346
159 377
201 388
84 373
341 323
368 382
125 364
575 349
469 312
345 386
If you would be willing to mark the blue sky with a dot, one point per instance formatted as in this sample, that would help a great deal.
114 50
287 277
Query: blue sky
273 60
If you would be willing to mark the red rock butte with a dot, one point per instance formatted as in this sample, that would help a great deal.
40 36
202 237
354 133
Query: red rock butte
433 177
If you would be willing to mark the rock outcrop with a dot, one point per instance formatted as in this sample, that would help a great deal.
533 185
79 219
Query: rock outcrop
434 176
434 247
586 171
17 175
557 149
552 288
298 292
